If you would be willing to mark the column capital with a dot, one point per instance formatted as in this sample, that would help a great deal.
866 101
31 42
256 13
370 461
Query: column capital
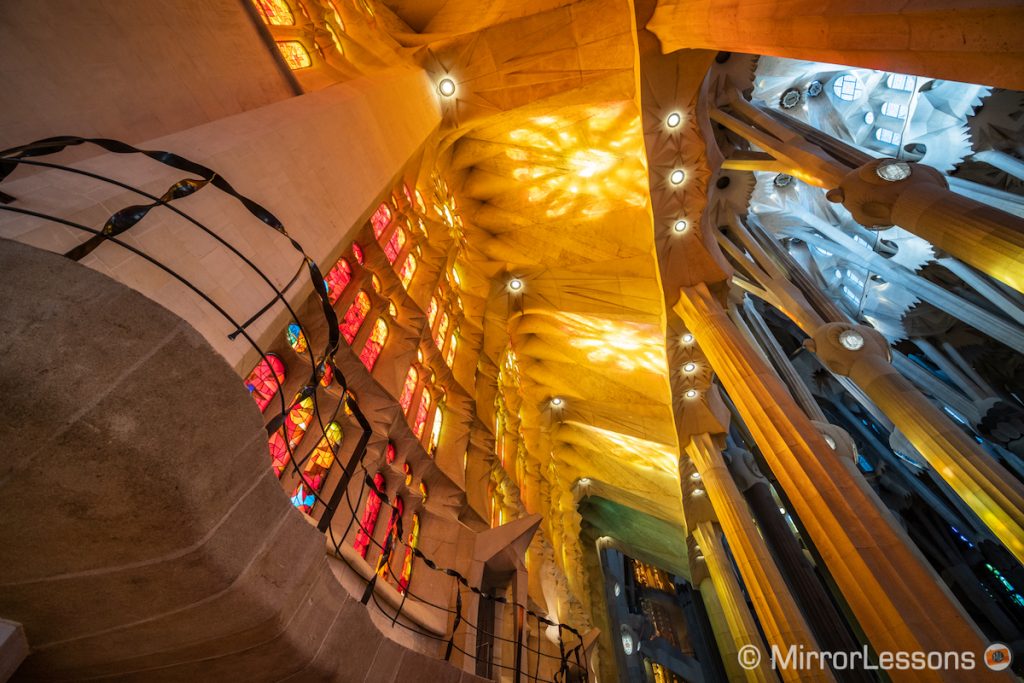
841 346
871 193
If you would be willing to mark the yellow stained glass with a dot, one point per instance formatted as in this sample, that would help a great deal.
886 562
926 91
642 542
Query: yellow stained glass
295 54
275 12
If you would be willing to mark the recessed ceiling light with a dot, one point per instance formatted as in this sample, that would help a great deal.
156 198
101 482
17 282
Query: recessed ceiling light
673 119
691 393
556 401
695 476
446 87
698 492
677 176
687 338
689 367
515 284
679 225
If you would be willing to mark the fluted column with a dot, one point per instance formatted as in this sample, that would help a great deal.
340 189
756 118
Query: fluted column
861 354
974 41
720 627
741 623
898 601
776 609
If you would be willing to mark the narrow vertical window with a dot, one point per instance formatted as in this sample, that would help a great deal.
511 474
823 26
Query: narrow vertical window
452 345
442 330
294 54
295 338
369 520
290 434
337 280
316 468
354 317
394 246
264 380
371 351
357 253
384 569
414 541
408 270
275 12
380 219
432 312
421 414
390 453
435 431
405 399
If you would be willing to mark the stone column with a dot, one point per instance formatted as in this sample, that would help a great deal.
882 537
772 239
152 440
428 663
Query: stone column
720 626
975 41
898 601
776 609
862 354
741 623
916 197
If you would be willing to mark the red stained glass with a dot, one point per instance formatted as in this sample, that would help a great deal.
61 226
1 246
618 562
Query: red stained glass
357 252
408 193
326 373
442 330
421 414
412 543
374 345
411 379
394 246
265 379
369 521
380 219
384 568
355 316
295 425
408 270
337 280
390 453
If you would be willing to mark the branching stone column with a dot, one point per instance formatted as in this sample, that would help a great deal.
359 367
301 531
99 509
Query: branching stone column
916 197
783 624
862 354
898 601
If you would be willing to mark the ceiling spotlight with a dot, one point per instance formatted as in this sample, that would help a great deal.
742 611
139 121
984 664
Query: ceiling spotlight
695 476
691 393
830 441
673 119
687 338
689 367
677 176
556 402
699 558
679 226
698 492
515 284
446 87
782 511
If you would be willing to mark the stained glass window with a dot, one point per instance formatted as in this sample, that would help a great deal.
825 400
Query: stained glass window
294 54
435 431
354 317
380 219
303 498
452 345
390 453
407 192
316 468
408 270
442 330
384 564
848 88
413 542
265 379
375 283
326 373
394 246
423 491
357 252
432 312
420 204
337 280
295 338
411 379
370 513
290 434
275 12
407 470
421 414
371 351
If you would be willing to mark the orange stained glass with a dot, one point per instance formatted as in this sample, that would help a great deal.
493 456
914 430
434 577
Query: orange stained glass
316 468
265 379
432 312
420 204
408 270
407 469
452 345
435 431
442 330
421 414
295 54
394 246
295 338
290 434
408 193
370 513
275 12
326 373
374 345
354 316
337 280
375 283
411 545
384 568
411 379
380 219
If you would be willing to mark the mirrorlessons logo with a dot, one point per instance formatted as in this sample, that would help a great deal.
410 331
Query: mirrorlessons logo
997 657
